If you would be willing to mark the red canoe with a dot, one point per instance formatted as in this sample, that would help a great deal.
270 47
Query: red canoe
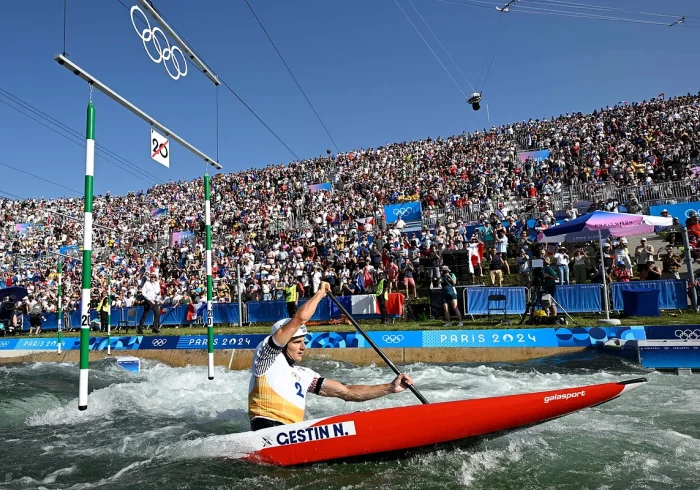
372 433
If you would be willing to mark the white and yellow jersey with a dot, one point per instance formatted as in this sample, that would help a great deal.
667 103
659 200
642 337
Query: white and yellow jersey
277 390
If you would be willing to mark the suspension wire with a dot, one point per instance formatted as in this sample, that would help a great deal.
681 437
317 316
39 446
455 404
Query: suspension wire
563 13
441 45
493 57
40 178
223 82
216 87
488 51
14 196
292 74
586 6
73 133
431 49
80 143
65 10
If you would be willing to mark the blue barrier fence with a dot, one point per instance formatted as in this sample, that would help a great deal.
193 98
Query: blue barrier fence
584 298
580 298
224 313
477 301
672 295
271 311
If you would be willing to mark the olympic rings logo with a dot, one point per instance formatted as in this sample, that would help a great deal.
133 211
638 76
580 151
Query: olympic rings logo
159 342
401 212
4 343
688 334
392 339
149 34
688 211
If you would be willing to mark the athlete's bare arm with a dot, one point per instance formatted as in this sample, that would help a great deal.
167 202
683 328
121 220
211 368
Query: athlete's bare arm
360 393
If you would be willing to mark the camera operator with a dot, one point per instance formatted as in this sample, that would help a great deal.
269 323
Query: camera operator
551 277
449 295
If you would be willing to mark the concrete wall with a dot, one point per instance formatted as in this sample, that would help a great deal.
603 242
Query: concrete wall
242 358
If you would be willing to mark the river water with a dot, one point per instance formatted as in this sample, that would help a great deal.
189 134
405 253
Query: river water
139 429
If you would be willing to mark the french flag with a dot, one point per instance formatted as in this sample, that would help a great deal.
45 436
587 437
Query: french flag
367 304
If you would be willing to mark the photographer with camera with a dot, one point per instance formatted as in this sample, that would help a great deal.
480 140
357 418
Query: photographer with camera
524 268
562 259
449 295
551 279
580 263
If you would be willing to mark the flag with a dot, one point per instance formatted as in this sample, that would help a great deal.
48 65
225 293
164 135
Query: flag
363 304
368 279
394 305
662 95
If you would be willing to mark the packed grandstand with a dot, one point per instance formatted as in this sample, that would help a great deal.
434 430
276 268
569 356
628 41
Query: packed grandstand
280 231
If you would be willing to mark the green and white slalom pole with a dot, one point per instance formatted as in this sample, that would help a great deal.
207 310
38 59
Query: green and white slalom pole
60 303
87 257
109 314
210 311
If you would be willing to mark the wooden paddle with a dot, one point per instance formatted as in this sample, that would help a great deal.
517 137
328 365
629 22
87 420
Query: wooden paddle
374 346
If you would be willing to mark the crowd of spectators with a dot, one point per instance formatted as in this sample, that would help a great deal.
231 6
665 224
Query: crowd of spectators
267 222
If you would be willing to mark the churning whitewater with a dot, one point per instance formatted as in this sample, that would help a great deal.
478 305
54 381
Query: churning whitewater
167 428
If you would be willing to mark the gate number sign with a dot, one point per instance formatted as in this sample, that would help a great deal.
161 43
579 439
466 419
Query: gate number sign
160 149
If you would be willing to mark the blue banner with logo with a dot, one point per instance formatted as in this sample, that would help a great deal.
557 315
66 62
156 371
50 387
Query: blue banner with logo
408 211
69 248
509 338
537 156
324 186
680 211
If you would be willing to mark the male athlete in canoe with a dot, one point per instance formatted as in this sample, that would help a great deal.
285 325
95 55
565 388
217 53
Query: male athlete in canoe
278 388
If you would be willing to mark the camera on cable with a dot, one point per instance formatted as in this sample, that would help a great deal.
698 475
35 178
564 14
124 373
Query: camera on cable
474 101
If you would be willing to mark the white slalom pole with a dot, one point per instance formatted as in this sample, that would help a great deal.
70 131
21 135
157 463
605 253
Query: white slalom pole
109 314
210 284
602 265
87 257
60 305
238 289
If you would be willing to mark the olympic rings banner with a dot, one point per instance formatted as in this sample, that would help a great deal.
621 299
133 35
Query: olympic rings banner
506 338
408 211
680 211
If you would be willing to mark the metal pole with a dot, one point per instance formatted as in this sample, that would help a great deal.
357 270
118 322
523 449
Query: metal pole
210 311
605 285
109 314
76 70
238 289
87 257
60 304
689 261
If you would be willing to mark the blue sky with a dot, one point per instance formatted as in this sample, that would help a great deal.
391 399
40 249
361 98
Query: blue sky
365 69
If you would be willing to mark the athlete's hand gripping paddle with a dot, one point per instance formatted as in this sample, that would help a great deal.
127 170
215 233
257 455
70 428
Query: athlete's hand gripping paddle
374 346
